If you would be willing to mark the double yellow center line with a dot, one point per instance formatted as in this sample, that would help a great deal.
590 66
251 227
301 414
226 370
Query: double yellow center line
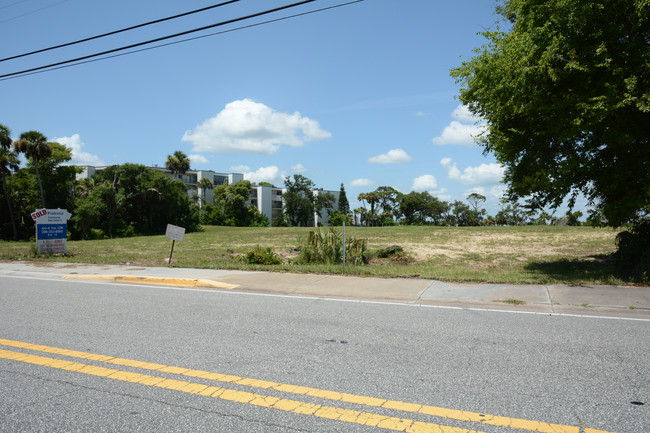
277 403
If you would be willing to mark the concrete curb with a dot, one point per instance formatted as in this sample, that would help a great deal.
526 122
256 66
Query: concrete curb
595 300
162 281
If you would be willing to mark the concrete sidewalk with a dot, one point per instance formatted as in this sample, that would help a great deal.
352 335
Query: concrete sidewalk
615 301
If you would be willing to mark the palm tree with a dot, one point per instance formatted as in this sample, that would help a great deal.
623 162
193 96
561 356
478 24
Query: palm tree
8 163
178 163
204 184
35 147
372 198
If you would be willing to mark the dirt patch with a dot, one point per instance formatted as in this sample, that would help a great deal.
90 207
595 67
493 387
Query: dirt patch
522 247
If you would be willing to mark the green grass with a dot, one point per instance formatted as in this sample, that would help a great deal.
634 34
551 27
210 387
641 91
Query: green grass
514 255
511 301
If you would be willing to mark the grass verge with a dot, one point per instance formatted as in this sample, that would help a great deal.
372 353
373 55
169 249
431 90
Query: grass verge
512 255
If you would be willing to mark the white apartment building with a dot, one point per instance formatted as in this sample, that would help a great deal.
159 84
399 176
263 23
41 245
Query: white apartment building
267 199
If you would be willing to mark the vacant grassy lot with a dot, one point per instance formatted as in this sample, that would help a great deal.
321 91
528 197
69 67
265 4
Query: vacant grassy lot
529 254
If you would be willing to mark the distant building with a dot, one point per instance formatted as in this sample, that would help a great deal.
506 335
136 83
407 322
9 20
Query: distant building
267 199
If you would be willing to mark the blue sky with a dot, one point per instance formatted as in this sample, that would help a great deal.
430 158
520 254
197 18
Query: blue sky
359 95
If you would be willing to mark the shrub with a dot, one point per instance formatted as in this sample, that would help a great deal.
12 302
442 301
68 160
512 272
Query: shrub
632 258
327 247
389 252
356 251
96 234
262 256
337 218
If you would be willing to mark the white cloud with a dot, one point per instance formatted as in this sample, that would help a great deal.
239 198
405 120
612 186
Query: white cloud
498 191
429 183
362 183
462 131
394 156
425 183
476 189
463 114
442 194
271 174
78 156
484 174
251 127
459 133
298 168
240 168
198 159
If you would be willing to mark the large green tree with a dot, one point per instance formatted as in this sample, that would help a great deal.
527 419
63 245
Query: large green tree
132 199
422 208
370 215
36 148
301 203
384 205
232 207
344 204
565 90
56 184
8 164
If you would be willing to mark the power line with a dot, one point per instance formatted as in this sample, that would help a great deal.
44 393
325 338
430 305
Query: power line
257 14
11 4
184 40
31 12
114 32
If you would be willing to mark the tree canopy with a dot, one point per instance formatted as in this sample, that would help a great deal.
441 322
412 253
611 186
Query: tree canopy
344 204
178 163
231 207
565 93
36 148
8 164
301 202
131 199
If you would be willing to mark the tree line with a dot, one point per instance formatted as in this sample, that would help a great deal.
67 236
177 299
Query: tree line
131 199
122 200
386 206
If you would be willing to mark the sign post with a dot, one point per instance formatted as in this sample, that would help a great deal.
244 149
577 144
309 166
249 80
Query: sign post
343 243
175 233
51 230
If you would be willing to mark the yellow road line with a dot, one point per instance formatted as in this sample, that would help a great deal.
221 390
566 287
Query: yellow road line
164 281
460 415
283 404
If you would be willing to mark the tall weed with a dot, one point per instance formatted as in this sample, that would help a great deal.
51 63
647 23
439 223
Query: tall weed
327 247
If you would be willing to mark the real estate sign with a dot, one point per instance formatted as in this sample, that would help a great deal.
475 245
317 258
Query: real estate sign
51 230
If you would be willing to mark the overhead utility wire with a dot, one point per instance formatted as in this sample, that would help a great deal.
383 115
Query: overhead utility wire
114 32
11 4
32 12
257 14
186 40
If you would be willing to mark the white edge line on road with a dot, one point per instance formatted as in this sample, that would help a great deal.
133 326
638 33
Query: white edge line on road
358 301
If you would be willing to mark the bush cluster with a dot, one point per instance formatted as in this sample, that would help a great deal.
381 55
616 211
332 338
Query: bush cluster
262 256
632 259
327 247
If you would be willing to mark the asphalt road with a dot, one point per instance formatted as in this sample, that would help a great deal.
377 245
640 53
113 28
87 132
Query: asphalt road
501 368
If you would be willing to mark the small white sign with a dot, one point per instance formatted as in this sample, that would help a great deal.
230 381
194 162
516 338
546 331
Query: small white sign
175 233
